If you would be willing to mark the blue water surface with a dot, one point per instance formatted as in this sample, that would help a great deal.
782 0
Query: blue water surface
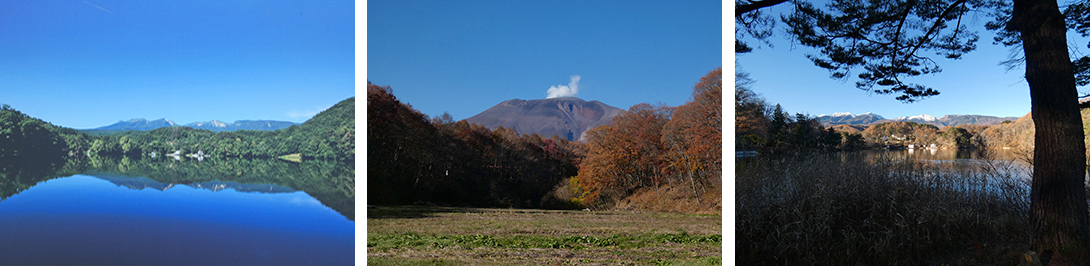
83 220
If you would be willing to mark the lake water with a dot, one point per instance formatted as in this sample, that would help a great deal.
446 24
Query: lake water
121 213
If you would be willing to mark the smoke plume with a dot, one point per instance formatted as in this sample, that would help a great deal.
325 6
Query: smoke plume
564 91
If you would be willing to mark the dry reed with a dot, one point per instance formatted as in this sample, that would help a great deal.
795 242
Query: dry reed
821 209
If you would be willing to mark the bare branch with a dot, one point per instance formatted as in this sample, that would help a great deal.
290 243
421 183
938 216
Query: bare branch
938 22
746 8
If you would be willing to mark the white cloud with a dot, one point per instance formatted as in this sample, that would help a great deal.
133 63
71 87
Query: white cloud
99 7
564 91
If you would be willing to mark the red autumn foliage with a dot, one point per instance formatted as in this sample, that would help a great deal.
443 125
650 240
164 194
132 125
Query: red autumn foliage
649 146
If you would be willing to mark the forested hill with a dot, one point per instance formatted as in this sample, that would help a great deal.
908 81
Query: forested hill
24 138
336 128
327 136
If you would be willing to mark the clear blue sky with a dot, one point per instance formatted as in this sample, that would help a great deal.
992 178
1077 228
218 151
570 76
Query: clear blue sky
975 84
85 64
463 57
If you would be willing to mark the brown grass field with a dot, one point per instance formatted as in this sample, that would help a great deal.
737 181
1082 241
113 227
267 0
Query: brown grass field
416 235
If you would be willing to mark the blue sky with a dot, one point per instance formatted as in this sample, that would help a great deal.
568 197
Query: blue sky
975 84
85 64
464 57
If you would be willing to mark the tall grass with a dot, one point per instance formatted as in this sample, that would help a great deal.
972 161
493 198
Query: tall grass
820 209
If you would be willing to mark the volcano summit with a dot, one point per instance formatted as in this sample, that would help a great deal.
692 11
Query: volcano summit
566 117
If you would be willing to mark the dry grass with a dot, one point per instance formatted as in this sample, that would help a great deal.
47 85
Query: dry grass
412 235
826 210
676 198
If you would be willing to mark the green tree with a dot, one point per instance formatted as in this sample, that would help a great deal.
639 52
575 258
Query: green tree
852 141
777 128
829 138
127 145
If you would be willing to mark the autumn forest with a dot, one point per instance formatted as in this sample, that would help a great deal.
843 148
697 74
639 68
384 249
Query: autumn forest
652 157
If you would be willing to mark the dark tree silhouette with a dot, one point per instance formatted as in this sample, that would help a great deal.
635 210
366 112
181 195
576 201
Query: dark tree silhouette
891 40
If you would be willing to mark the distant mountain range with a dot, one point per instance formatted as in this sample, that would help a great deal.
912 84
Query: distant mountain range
850 119
945 121
141 124
566 117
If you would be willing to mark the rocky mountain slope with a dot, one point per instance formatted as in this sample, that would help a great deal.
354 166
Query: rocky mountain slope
566 117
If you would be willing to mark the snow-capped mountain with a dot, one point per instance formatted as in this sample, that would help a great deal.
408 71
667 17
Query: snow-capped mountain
214 125
916 118
846 118
946 120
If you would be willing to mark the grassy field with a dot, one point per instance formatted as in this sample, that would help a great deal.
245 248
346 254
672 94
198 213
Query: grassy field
413 235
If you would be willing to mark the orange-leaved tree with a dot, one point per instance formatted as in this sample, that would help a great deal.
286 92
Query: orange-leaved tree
624 155
693 137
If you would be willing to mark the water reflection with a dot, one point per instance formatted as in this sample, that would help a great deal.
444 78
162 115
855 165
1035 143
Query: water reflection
332 183
1001 173
124 211
84 220
942 154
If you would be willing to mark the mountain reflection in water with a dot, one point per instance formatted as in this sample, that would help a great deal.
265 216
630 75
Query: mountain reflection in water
143 182
133 212
332 183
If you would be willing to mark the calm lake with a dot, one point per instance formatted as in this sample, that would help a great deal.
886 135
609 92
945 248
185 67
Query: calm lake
1005 163
130 212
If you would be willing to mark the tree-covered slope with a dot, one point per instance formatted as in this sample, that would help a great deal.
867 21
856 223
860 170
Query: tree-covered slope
26 138
328 136
331 133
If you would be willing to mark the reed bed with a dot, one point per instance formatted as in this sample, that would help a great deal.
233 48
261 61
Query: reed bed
820 209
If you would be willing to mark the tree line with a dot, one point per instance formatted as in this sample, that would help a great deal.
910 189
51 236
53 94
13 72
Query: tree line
329 135
414 159
763 127
760 126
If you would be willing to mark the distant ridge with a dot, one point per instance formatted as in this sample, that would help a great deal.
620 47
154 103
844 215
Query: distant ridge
945 121
141 124
846 118
215 125
138 124
565 117
917 118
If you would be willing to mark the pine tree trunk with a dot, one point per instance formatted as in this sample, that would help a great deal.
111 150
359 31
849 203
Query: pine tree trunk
1057 199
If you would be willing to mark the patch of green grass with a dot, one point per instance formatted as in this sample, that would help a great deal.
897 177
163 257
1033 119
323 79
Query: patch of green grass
416 240
699 261
481 236
409 262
